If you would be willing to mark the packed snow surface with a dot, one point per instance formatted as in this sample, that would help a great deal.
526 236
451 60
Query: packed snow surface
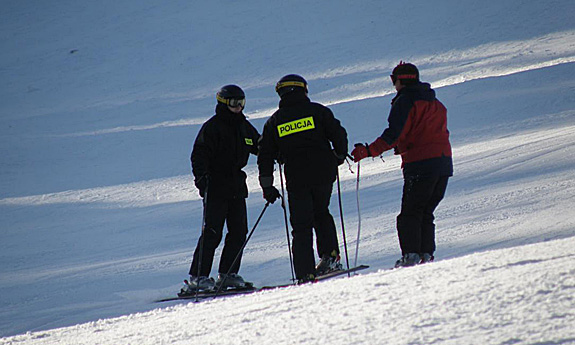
100 103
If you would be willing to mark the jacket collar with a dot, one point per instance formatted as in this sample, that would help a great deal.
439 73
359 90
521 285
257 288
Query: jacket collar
223 113
294 97
422 88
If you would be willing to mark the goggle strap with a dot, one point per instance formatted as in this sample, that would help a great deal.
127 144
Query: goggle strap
221 99
226 101
289 83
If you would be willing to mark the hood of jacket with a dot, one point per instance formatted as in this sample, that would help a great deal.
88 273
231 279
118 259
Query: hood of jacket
225 114
294 97
423 91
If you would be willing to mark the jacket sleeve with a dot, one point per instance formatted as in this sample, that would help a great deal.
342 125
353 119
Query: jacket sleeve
255 136
202 150
397 118
335 133
268 152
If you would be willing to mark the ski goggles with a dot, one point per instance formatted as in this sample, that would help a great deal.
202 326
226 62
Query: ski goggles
233 102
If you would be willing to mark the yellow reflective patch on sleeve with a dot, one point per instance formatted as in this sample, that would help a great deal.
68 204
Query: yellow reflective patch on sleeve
296 126
249 141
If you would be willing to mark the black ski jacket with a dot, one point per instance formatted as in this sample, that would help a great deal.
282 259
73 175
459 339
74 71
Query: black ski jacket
300 134
221 150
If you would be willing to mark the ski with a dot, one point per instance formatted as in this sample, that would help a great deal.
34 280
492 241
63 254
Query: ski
211 294
326 276
202 295
338 273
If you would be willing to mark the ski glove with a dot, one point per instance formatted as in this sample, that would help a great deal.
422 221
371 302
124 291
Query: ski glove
271 194
373 150
360 152
340 158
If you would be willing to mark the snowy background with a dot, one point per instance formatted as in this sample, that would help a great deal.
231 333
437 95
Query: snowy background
100 103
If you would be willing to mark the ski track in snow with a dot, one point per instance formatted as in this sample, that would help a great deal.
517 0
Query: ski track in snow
451 68
504 154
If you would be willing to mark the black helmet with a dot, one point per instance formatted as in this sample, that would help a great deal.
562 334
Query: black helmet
231 95
289 83
407 73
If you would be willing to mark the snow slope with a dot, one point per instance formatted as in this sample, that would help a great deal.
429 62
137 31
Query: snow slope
494 297
99 106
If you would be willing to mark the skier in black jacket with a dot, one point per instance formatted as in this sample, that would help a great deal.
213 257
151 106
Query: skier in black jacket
300 135
221 150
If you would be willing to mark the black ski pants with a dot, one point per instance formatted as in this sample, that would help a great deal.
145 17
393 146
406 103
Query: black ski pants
233 212
309 209
415 223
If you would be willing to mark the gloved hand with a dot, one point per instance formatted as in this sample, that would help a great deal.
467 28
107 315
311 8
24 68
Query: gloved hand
340 158
360 152
271 194
202 185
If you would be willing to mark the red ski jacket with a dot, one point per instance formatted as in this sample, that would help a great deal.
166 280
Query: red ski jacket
417 129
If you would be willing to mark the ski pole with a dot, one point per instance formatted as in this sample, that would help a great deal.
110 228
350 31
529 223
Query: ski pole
358 214
342 223
241 250
202 239
286 224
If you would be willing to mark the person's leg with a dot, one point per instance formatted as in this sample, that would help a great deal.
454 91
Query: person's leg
237 224
417 192
301 219
211 238
428 224
324 225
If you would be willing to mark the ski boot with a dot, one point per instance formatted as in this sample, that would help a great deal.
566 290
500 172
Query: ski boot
308 278
408 260
197 284
328 263
425 258
232 281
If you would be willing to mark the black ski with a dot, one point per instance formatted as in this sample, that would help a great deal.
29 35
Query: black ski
201 295
341 272
211 294
326 276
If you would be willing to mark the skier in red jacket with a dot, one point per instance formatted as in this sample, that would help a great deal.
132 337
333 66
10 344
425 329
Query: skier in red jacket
418 132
